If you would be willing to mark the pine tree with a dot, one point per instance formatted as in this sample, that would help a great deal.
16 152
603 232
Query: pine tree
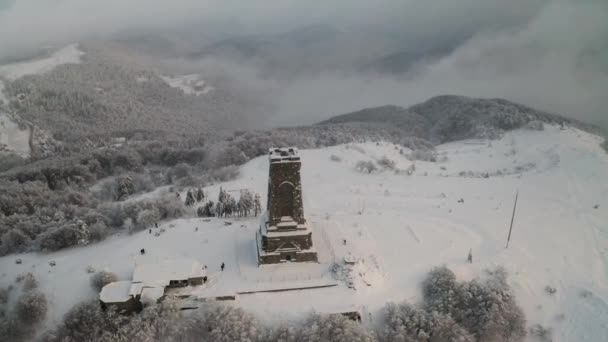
200 195
190 200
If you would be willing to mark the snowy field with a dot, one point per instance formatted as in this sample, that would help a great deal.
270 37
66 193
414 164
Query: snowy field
399 227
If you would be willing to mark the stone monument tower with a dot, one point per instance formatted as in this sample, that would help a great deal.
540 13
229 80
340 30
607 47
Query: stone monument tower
284 235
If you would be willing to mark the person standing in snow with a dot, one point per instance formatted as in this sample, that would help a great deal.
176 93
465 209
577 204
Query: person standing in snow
222 267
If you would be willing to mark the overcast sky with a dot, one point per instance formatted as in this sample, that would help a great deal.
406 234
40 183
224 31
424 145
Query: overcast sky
548 54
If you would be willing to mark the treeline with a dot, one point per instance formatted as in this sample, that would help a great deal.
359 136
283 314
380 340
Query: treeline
78 198
227 205
33 217
474 311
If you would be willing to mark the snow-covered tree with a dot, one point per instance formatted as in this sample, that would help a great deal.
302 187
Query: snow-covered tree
221 198
147 217
246 203
439 290
206 210
224 323
200 195
407 323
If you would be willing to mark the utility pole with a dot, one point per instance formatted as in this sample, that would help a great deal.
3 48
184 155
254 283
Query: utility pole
512 219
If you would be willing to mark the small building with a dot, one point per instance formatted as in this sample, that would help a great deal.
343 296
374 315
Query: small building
284 234
169 273
120 296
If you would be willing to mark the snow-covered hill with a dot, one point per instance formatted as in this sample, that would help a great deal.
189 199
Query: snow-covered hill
399 226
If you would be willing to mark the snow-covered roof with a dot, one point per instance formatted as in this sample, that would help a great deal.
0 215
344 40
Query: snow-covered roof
164 271
283 154
151 295
116 292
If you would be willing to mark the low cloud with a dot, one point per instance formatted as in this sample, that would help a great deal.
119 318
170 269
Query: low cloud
552 55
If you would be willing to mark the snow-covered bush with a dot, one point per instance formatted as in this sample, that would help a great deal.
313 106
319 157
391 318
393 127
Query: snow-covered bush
550 289
541 333
335 158
365 166
334 328
29 282
387 163
101 279
31 307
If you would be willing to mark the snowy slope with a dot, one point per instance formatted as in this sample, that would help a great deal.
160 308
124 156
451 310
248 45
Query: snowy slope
68 54
401 226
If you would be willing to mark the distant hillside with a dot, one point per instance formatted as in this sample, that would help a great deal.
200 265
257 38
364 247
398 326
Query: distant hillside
111 92
449 117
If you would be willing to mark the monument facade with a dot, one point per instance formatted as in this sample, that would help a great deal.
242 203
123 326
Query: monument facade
284 234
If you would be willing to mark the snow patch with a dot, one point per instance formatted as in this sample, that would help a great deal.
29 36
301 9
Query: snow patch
12 137
190 84
67 55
